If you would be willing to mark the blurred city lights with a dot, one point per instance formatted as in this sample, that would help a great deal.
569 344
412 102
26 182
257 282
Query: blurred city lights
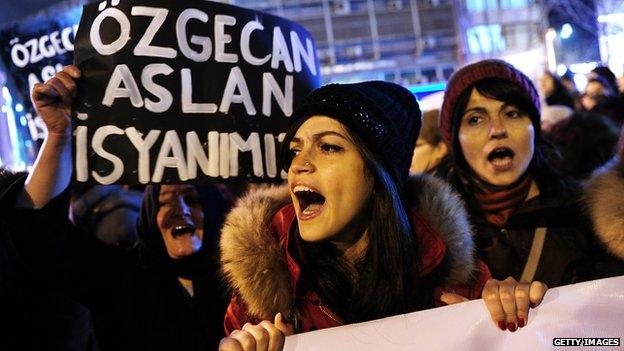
566 31
580 80
612 17
18 163
427 88
583 67
551 34
551 57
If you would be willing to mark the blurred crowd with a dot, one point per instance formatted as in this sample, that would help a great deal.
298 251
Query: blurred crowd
509 188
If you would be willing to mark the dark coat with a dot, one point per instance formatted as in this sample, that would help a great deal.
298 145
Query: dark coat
134 296
34 316
260 264
571 253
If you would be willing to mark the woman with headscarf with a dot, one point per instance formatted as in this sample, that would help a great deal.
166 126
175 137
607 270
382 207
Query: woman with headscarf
161 293
352 237
528 219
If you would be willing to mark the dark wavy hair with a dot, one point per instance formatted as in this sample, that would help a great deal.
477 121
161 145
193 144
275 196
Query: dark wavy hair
545 155
385 281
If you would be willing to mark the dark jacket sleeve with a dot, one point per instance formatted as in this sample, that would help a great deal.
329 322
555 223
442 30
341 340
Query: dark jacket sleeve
55 251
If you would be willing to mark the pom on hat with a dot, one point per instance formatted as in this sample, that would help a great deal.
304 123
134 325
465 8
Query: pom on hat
468 76
385 115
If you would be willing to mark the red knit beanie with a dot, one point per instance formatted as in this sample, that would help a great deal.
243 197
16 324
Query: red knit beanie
469 75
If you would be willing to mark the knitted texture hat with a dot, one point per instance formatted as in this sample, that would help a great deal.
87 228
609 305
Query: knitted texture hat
468 76
385 115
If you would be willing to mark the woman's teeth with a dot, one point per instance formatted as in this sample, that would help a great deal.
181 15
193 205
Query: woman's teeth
309 200
182 230
300 188
501 162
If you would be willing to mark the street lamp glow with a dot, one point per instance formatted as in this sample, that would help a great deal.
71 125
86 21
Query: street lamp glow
551 58
612 17
566 31
551 34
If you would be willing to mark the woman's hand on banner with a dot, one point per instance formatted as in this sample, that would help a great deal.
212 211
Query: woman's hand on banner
509 301
259 337
53 99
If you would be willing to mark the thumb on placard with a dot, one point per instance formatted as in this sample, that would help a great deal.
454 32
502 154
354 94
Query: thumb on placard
286 328
452 298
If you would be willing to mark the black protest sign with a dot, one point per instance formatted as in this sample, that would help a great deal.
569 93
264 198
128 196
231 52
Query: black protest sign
186 91
33 51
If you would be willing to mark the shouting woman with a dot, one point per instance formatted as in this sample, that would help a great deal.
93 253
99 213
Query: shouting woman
352 237
529 219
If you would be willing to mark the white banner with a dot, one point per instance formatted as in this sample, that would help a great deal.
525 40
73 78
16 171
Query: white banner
587 310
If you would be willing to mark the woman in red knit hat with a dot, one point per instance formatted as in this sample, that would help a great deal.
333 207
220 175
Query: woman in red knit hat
528 220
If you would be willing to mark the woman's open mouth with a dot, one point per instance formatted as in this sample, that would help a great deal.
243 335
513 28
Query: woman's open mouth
310 202
181 230
501 158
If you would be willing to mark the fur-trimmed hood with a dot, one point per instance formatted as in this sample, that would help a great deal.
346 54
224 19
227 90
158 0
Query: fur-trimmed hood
254 262
605 201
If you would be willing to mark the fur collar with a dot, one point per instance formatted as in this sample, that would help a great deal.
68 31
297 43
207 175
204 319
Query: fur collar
605 200
254 263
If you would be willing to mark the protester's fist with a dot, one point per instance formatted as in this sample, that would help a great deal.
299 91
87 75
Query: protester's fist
509 301
260 337
53 99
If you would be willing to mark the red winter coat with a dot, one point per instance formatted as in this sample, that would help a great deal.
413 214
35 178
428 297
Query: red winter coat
264 275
